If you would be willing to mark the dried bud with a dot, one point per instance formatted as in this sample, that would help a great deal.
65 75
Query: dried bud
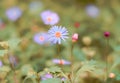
107 34
77 24
74 37
86 40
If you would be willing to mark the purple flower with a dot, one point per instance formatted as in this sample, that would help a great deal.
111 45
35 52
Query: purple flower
49 17
57 33
61 62
1 64
63 78
35 6
41 38
13 60
13 13
92 11
46 76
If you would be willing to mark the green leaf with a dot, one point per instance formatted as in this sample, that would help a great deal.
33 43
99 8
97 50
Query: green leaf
89 66
13 43
52 80
5 69
3 52
54 69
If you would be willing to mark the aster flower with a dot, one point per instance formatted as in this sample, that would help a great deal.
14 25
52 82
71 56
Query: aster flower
92 11
1 64
57 34
41 38
46 76
13 13
49 17
61 62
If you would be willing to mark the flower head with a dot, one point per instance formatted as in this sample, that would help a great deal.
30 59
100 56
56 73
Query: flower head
107 34
13 13
49 17
74 37
41 38
57 34
1 64
92 11
61 62
46 76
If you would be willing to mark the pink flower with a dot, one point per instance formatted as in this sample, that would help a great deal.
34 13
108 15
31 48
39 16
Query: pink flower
74 37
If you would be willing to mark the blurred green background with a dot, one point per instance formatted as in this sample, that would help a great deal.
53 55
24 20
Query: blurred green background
89 18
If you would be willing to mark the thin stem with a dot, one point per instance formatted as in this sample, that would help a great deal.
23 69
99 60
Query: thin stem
72 59
106 56
12 67
38 78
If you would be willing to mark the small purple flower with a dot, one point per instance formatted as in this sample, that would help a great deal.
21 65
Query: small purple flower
1 64
92 11
41 38
46 76
49 17
57 34
13 60
63 78
13 13
35 6
61 62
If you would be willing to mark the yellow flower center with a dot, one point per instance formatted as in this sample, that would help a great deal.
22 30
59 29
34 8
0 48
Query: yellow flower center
58 34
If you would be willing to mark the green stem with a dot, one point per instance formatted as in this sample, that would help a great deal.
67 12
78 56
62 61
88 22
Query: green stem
72 59
106 56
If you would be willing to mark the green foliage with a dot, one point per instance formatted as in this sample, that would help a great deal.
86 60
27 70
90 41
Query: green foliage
54 69
3 52
52 80
13 43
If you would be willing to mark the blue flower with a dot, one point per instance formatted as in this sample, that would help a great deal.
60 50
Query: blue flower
49 17
41 38
92 11
57 34
13 13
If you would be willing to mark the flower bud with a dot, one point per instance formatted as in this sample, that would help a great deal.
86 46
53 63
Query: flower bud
106 34
86 40
77 24
74 37
111 75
